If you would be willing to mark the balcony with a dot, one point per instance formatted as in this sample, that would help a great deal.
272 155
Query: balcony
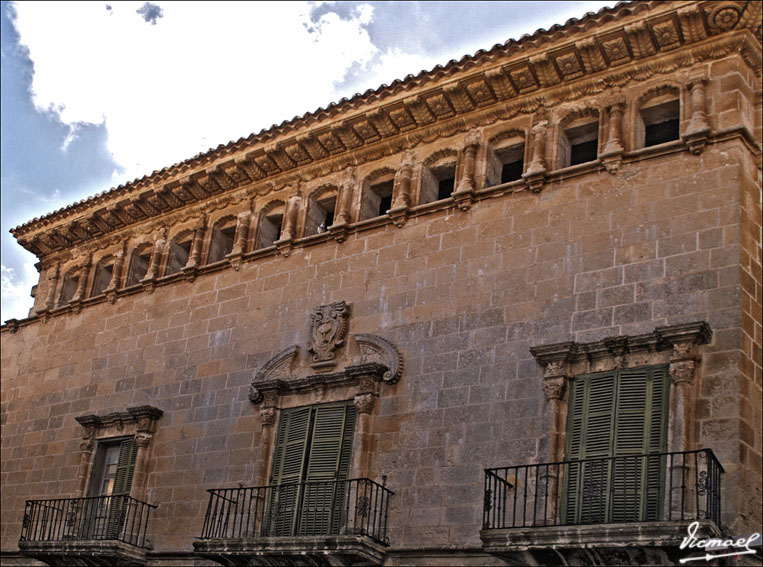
311 523
626 509
93 531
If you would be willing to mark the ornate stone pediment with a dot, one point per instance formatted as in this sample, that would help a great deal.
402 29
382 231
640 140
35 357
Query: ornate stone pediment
328 362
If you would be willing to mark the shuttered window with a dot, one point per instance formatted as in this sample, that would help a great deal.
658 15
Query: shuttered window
111 479
619 414
310 462
113 468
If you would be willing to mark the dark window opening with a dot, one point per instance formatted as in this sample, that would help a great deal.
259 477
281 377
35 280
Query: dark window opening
661 123
102 279
512 171
660 133
583 152
179 253
579 144
385 204
138 268
222 243
445 188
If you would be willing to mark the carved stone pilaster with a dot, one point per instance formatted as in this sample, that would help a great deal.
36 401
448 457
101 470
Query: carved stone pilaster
116 274
401 191
239 240
464 193
285 243
535 176
79 295
612 156
339 227
149 281
698 130
53 274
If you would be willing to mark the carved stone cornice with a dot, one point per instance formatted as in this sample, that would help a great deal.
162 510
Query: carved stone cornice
559 64
141 419
679 341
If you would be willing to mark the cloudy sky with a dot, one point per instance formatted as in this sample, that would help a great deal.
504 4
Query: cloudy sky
95 94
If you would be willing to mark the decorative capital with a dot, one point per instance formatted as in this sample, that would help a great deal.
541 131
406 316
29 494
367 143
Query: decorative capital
554 387
365 403
142 439
268 416
683 371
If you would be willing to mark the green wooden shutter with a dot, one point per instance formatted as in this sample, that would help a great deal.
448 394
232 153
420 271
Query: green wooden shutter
615 414
631 427
597 431
128 451
287 471
327 469
118 505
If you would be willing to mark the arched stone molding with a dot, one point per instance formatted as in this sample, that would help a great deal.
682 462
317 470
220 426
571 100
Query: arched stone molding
676 346
338 370
138 421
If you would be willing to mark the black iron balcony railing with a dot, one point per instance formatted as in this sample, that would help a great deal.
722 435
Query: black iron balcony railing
119 518
650 487
341 507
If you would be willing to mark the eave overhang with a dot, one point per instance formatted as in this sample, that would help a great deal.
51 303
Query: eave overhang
605 49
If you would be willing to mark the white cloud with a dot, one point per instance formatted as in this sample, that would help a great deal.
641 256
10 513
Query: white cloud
14 289
204 74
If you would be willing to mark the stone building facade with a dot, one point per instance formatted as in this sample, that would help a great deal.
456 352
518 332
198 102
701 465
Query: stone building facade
506 311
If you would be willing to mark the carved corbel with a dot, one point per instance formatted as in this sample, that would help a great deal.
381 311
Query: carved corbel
285 243
698 130
401 201
535 176
464 193
612 156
